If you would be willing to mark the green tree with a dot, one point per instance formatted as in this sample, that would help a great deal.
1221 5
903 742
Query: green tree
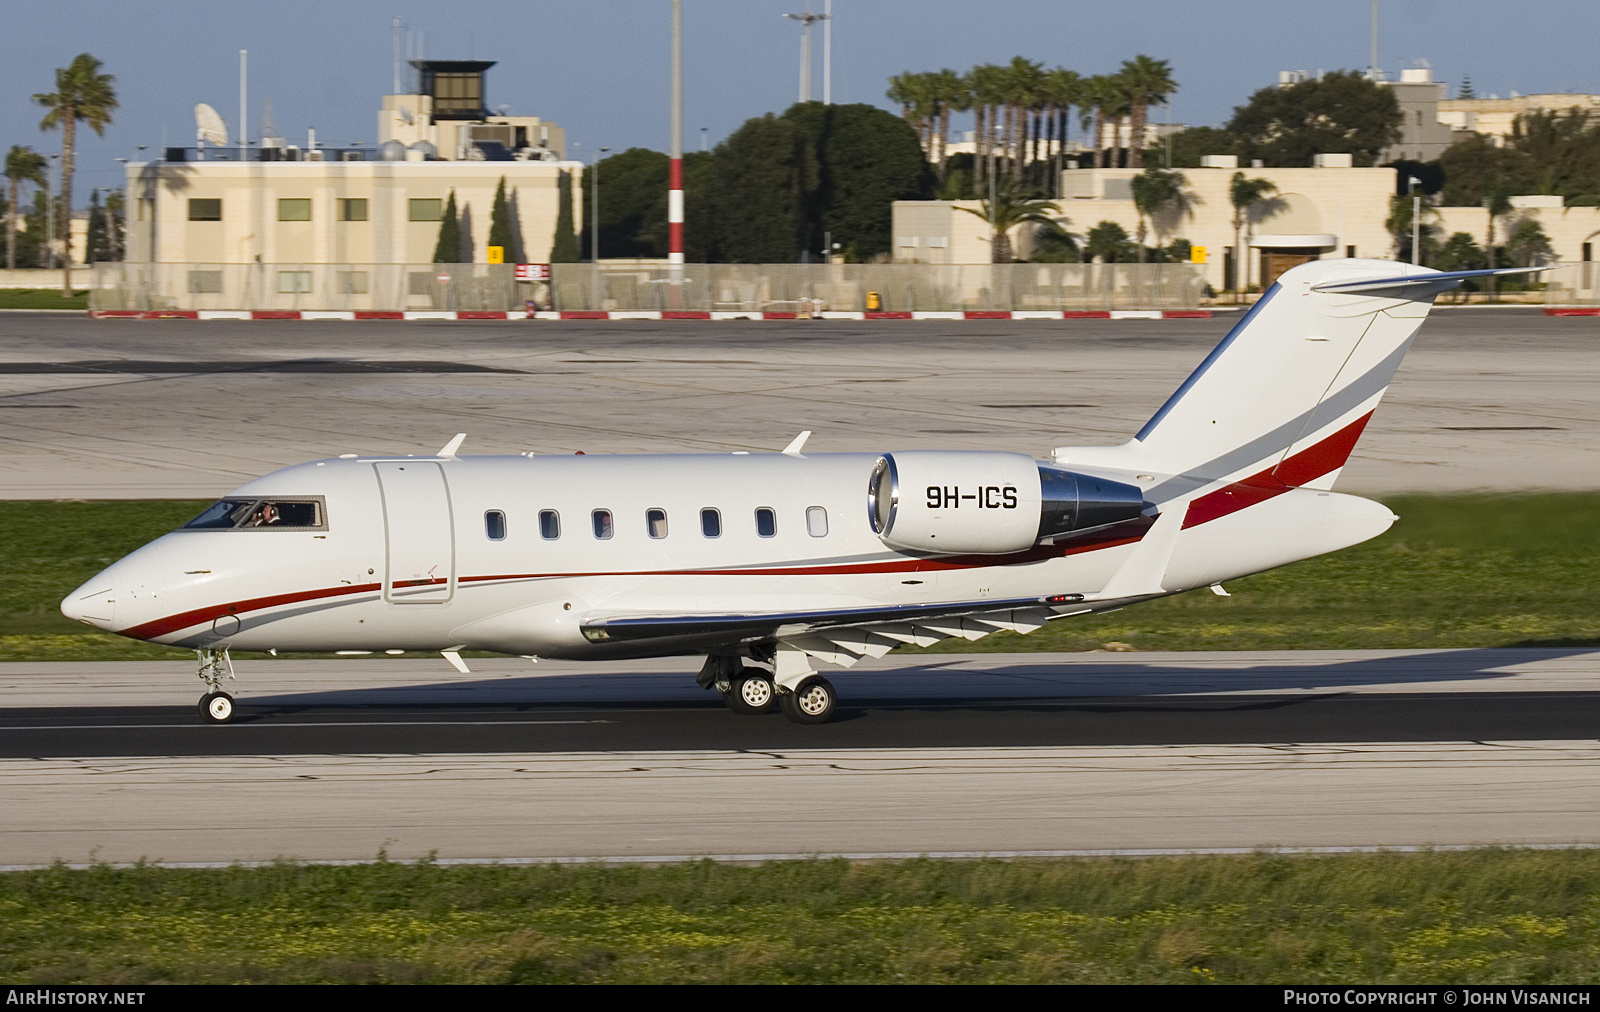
1398 225
1461 252
1153 191
1147 82
23 165
82 93
448 249
1340 112
1244 194
500 222
1190 145
987 85
1475 166
1497 204
1104 99
1109 243
761 173
1528 245
1008 210
564 247
1063 89
783 182
1053 244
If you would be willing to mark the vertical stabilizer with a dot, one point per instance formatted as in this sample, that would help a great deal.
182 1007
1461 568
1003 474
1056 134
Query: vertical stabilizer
1282 400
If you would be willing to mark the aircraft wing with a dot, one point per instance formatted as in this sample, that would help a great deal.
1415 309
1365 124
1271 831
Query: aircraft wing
840 636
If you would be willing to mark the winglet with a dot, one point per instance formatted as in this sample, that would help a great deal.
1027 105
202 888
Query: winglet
797 444
454 657
449 449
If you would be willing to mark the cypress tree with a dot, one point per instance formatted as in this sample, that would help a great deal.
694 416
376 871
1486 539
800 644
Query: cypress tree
448 249
564 250
500 221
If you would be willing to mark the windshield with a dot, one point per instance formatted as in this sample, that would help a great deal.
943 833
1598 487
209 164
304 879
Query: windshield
272 514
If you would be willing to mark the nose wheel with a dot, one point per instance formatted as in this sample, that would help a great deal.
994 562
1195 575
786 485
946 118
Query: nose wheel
216 708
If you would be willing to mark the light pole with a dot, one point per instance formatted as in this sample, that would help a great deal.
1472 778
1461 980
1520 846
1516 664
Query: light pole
807 19
1416 220
594 215
50 221
827 52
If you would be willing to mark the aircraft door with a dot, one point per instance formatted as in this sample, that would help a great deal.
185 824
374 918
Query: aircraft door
419 533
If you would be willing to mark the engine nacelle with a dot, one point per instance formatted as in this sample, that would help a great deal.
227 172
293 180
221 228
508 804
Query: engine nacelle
980 503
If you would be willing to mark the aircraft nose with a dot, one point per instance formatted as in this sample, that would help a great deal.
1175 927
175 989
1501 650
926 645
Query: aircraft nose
94 603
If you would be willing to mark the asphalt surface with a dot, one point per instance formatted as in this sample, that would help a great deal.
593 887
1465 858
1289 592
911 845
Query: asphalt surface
1488 398
862 724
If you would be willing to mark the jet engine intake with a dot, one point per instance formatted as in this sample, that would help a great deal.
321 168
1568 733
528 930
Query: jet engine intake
979 503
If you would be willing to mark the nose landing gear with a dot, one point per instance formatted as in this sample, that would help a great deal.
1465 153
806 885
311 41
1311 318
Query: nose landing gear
216 706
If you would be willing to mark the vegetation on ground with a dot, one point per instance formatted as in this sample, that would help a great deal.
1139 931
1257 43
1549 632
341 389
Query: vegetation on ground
42 298
1487 916
1454 572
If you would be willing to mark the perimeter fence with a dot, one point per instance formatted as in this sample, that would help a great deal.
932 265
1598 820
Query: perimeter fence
724 288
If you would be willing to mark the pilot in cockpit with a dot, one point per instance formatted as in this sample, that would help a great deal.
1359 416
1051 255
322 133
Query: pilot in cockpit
265 514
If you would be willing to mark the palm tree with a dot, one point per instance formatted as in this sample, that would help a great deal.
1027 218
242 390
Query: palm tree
82 93
1064 89
1145 82
1498 204
987 82
23 165
1244 194
955 91
1024 83
1008 210
1104 99
1154 189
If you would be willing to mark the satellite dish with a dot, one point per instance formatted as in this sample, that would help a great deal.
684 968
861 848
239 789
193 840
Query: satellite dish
209 127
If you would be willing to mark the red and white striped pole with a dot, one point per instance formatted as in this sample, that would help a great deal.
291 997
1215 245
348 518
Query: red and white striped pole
675 166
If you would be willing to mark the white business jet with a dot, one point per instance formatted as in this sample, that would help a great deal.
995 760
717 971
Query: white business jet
768 563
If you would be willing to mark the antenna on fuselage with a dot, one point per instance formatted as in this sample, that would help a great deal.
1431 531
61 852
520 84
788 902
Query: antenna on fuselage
449 449
797 444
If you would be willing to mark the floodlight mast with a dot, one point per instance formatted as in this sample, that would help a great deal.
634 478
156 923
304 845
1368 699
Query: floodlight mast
807 20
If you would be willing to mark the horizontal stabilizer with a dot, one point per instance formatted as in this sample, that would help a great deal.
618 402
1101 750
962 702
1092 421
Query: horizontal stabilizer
1445 279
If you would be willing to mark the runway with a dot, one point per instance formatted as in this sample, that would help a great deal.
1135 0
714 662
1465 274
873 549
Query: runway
1498 398
951 754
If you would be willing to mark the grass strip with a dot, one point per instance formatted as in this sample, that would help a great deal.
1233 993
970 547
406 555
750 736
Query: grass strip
42 298
1487 916
1455 572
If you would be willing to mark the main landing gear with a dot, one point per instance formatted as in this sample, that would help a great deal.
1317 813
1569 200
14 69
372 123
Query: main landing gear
753 691
216 706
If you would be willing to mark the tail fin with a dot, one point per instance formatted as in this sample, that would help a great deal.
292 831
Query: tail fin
1283 399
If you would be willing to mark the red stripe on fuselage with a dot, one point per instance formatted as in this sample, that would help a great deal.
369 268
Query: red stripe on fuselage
1308 465
1111 537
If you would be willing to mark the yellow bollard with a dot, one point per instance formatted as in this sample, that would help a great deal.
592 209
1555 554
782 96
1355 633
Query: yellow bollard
874 302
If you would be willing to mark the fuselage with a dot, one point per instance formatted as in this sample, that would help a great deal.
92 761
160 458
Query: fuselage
515 553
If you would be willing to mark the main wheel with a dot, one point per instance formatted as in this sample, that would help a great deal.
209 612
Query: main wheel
751 692
811 702
216 708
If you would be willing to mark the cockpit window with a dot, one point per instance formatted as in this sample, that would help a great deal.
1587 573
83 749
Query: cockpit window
269 514
226 513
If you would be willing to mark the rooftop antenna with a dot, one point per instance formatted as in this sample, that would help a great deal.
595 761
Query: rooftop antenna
244 109
1373 73
396 55
209 127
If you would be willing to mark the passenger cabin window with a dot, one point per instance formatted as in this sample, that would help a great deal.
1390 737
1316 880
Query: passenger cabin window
655 522
766 522
269 514
817 522
549 524
710 523
603 527
494 525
